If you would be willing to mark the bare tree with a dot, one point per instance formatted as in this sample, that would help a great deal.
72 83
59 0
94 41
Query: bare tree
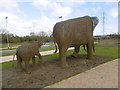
42 33
3 31
32 34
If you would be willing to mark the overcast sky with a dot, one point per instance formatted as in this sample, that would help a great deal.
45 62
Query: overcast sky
41 15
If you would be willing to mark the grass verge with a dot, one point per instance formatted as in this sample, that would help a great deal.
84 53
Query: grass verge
100 51
47 49
7 49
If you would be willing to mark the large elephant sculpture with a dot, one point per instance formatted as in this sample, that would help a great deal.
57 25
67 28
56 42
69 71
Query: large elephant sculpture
74 33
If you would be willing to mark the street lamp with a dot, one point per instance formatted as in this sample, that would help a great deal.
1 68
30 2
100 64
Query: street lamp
7 33
60 17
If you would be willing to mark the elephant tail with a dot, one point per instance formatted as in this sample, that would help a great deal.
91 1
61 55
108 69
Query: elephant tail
92 47
55 47
84 47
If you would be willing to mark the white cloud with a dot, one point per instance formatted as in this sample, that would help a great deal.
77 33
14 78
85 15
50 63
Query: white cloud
114 12
102 0
21 27
45 20
9 5
96 9
111 29
14 24
55 8
43 24
82 12
58 10
87 0
11 18
72 3
41 3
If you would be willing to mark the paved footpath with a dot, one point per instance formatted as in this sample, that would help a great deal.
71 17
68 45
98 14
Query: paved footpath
10 58
102 76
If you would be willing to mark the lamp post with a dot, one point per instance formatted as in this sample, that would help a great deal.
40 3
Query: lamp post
60 17
7 33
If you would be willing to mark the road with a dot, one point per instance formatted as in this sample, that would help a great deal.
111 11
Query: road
43 53
12 51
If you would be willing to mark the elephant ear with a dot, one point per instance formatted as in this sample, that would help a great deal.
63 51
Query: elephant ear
95 21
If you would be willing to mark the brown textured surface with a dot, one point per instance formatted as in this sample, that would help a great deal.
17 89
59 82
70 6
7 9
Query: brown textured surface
102 76
49 72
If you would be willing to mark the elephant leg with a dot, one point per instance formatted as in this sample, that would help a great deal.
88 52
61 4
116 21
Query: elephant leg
89 50
40 58
62 56
76 51
33 60
27 65
19 63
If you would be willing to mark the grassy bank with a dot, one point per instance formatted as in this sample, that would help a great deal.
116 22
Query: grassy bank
47 49
100 51
4 45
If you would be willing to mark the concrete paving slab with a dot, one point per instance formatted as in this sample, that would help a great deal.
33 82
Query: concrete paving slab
103 76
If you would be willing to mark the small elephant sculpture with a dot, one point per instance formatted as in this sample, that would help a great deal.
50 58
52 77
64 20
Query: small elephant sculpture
26 52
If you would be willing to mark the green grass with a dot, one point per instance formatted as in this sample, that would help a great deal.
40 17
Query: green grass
8 54
4 45
107 51
11 63
47 49
100 51
7 49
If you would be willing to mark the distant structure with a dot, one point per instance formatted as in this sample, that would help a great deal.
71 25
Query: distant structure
60 17
7 34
